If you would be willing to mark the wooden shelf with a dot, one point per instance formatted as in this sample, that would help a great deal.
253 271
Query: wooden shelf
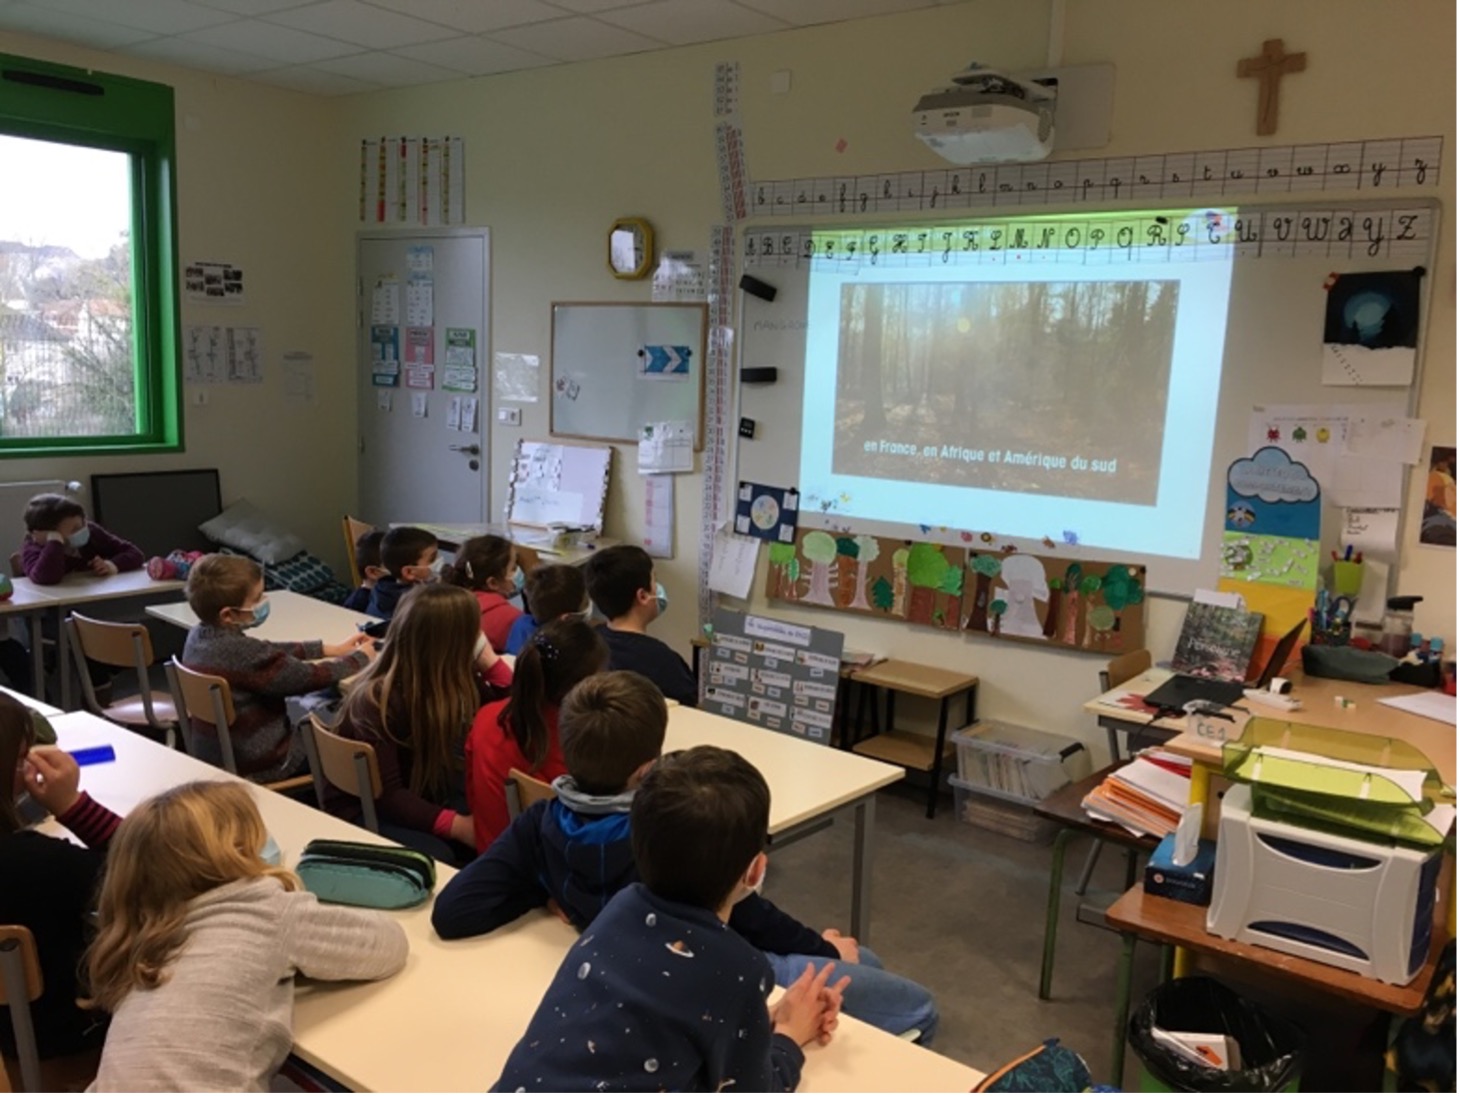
915 679
911 751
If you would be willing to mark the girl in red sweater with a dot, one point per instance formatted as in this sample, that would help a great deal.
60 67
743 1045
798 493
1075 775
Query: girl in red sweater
487 566
521 732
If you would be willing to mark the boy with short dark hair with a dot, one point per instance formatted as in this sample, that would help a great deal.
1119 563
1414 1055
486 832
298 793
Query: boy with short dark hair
552 591
661 994
59 540
622 584
409 556
574 855
367 559
227 594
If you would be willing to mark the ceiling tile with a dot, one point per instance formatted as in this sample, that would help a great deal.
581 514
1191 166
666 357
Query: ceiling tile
283 45
590 7
575 39
300 78
475 56
388 69
200 55
476 16
253 7
156 16
684 21
803 13
68 27
352 21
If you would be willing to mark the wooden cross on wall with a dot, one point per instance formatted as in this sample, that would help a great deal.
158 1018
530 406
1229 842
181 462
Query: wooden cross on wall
1269 68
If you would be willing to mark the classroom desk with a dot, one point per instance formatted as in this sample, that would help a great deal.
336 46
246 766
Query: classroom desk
31 603
50 711
292 618
448 1021
77 589
808 782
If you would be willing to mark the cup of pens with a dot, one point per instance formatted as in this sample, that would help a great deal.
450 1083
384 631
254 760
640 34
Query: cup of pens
1348 572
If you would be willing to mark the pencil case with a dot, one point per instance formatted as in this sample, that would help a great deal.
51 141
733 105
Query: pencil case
353 873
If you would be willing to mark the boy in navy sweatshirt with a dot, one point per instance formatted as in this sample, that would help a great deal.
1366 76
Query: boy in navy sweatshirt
574 854
660 995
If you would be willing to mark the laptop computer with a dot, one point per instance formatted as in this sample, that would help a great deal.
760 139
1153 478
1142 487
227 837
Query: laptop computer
1174 693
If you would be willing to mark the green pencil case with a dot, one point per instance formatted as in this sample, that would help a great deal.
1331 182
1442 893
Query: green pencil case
353 873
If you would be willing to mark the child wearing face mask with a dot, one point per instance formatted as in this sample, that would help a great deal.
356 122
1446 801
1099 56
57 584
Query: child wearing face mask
622 585
553 591
410 557
227 594
487 566
59 540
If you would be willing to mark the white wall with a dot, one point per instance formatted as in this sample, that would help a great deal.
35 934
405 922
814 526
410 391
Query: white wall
255 187
555 155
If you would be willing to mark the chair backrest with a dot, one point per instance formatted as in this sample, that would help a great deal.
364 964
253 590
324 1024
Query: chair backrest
17 566
354 530
343 763
126 646
208 699
528 790
20 984
1124 667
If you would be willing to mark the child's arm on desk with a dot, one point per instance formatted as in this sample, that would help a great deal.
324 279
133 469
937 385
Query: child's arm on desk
497 887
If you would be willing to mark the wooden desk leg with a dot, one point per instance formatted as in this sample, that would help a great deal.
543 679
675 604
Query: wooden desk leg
938 756
863 816
1122 1006
1052 910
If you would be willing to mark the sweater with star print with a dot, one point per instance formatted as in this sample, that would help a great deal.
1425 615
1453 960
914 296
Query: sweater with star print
655 996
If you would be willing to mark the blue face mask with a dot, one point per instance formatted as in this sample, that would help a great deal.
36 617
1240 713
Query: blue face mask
79 538
519 580
260 614
662 596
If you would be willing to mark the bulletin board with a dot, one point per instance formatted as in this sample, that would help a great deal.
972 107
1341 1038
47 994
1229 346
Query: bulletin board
617 366
1286 253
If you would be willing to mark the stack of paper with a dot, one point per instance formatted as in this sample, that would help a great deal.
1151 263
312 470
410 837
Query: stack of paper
1146 797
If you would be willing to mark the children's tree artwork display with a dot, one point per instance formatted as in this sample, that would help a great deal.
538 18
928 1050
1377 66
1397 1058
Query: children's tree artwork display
880 576
1085 604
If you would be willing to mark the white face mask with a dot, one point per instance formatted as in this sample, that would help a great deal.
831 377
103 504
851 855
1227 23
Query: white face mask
481 646
437 567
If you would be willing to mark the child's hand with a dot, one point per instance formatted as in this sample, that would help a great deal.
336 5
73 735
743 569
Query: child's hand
831 1008
52 777
350 646
846 946
558 911
800 1013
462 831
102 567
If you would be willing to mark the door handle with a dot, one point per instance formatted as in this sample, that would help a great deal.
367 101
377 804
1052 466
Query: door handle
469 450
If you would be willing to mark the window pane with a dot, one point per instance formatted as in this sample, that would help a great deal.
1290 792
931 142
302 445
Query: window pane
67 354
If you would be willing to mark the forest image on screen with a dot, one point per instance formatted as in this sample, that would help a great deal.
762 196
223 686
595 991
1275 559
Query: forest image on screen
1011 386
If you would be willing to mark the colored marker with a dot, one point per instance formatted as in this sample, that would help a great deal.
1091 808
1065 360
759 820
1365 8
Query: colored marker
93 755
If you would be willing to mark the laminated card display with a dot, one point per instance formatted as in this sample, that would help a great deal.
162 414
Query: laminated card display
773 674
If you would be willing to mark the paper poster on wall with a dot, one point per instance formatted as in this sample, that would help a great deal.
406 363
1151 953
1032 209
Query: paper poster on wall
298 369
515 376
1270 494
384 400
678 277
1086 604
419 403
1278 561
664 363
1437 526
659 516
1385 437
468 414
385 301
667 447
1371 328
453 413
420 306
459 373
420 260
205 355
213 283
766 512
245 355
420 357
385 356
1372 533
732 563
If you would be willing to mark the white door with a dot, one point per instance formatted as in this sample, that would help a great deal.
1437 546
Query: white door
421 322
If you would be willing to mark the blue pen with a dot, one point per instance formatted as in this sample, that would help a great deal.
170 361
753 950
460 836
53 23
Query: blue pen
93 755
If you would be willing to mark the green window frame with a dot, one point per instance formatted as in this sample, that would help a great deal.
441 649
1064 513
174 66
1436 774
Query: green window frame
51 102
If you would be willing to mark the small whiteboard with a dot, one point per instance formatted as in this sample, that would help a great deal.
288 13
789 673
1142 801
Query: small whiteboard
616 367
553 483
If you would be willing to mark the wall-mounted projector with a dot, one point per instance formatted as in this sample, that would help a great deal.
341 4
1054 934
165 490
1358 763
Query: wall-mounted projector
987 117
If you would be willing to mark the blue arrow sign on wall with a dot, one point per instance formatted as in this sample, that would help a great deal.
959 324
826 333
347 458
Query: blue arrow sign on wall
666 361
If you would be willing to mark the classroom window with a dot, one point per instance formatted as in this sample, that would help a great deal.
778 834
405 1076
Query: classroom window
88 309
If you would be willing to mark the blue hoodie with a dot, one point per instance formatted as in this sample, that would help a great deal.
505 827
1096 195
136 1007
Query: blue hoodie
575 849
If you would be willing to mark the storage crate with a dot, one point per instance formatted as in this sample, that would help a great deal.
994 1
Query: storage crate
1019 764
973 806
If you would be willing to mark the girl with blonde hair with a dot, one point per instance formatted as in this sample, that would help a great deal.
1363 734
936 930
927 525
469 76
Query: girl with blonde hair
199 943
414 705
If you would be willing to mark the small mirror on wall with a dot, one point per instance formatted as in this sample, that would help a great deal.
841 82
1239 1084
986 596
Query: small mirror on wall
630 247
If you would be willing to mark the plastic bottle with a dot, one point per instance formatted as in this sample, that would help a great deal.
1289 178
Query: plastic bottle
1398 625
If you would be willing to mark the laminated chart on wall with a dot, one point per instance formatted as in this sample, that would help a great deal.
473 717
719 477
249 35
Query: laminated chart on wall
1371 328
773 674
1358 167
459 374
552 483
667 447
767 512
384 356
214 283
1273 521
413 180
420 357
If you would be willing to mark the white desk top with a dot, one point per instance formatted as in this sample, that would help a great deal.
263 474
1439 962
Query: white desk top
50 711
292 617
448 1021
806 779
79 587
